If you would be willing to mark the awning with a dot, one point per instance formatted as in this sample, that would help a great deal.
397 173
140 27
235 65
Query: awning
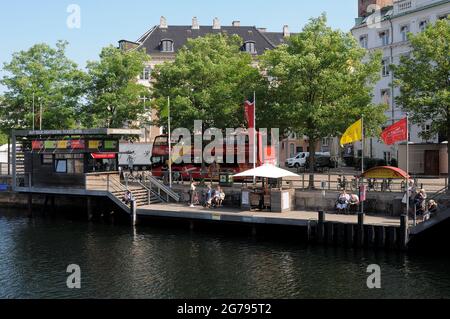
267 171
386 172
103 155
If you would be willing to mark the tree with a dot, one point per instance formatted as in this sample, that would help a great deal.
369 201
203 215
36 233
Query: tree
54 81
113 92
322 83
209 80
424 80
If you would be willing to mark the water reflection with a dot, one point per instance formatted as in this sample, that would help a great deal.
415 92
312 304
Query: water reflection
150 262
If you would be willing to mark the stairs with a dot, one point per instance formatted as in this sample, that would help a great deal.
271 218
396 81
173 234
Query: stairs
141 194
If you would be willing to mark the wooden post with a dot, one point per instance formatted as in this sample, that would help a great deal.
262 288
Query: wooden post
360 231
133 213
191 225
403 232
330 234
308 231
339 231
253 230
53 205
391 237
321 227
380 236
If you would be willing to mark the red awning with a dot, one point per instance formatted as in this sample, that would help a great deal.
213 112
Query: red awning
386 172
103 155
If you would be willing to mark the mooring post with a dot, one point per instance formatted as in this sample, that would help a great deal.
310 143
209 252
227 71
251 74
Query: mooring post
360 231
380 236
404 231
308 231
133 213
370 231
349 234
321 227
330 232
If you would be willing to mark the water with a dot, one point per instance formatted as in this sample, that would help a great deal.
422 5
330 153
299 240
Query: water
167 262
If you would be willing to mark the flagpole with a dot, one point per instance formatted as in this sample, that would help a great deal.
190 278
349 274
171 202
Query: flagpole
408 194
254 134
362 163
170 144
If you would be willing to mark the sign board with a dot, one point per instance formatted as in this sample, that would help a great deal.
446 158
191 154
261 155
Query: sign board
62 144
77 144
37 145
362 193
285 201
110 145
50 144
103 155
95 144
245 198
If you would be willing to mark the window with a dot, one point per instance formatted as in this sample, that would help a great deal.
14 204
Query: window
250 47
385 67
47 159
423 25
325 142
292 150
167 46
427 128
384 36
386 96
69 163
364 41
146 73
404 30
387 157
444 16
300 149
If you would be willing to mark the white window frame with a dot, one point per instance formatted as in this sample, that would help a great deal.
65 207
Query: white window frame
384 37
423 23
383 95
404 34
385 71
364 41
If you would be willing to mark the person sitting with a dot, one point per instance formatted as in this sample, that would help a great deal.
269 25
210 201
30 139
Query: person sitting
432 208
354 203
127 198
420 202
209 197
218 197
342 202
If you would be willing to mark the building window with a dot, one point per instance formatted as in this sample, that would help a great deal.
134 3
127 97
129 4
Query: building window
364 41
146 73
69 163
47 159
444 16
167 46
385 67
423 25
325 142
249 47
427 128
384 36
386 96
404 30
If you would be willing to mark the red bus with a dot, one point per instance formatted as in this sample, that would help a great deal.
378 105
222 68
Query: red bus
160 161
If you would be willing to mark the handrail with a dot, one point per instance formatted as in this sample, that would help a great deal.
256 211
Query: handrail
161 187
439 193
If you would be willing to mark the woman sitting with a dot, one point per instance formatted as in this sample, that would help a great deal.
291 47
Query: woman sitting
343 202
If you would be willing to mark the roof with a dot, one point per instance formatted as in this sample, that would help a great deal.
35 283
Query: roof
386 172
267 171
90 132
180 34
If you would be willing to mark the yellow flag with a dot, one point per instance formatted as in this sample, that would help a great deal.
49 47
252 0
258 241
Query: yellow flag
353 134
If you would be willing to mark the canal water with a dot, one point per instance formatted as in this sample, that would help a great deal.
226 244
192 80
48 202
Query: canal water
169 262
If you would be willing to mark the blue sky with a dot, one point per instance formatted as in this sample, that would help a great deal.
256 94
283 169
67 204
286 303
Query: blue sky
103 22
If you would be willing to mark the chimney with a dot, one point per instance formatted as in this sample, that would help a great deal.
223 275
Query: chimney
195 25
163 23
286 32
263 30
216 24
236 23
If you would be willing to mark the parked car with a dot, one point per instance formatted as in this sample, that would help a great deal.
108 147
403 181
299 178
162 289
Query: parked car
322 160
297 161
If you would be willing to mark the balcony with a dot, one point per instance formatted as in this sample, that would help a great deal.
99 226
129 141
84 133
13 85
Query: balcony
403 6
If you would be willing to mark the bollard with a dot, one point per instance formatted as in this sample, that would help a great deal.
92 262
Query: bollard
321 227
133 213
403 232
360 231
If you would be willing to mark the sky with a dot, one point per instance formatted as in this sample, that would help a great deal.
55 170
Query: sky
24 23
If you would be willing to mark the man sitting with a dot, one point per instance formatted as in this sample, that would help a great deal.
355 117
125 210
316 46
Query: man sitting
343 202
354 203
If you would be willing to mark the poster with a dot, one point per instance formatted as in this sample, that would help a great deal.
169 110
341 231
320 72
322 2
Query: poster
62 144
245 198
95 144
285 200
110 145
50 144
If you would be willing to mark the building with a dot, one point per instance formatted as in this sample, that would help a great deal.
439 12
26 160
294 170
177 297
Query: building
387 29
163 41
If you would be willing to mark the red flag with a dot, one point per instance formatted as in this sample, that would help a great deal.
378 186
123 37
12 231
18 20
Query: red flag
250 113
396 133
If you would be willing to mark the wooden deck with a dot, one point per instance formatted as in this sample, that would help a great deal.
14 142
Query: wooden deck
294 218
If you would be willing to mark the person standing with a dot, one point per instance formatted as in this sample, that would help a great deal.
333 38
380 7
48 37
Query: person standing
192 192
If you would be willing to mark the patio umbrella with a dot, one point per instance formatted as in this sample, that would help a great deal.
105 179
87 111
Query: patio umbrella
267 171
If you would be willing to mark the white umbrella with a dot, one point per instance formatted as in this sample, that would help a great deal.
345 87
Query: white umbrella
267 171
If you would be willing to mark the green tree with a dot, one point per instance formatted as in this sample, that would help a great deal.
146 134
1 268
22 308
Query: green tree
209 80
113 92
424 80
55 82
322 83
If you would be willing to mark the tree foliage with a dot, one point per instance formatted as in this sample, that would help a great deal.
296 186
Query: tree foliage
424 80
322 83
113 93
209 80
53 79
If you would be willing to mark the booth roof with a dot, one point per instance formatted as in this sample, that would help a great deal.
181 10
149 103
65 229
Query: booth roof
267 171
86 132
386 172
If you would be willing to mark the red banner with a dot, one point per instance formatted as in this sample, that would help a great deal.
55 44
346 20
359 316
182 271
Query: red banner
77 144
103 155
396 133
250 113
37 145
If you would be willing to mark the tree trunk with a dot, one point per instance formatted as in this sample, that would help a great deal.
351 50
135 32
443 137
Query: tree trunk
312 162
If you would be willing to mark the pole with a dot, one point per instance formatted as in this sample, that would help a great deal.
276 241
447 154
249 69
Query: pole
40 116
33 113
362 162
170 145
255 143
408 192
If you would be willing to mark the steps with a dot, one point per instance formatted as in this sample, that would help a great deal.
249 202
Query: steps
140 194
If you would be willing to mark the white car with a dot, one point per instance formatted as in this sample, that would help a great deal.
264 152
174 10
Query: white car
297 161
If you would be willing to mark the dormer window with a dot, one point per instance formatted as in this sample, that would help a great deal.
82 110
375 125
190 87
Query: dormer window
146 73
166 45
249 47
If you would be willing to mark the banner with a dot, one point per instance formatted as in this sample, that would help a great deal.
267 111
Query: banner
62 144
110 145
250 113
50 144
37 145
95 145
77 144
396 133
